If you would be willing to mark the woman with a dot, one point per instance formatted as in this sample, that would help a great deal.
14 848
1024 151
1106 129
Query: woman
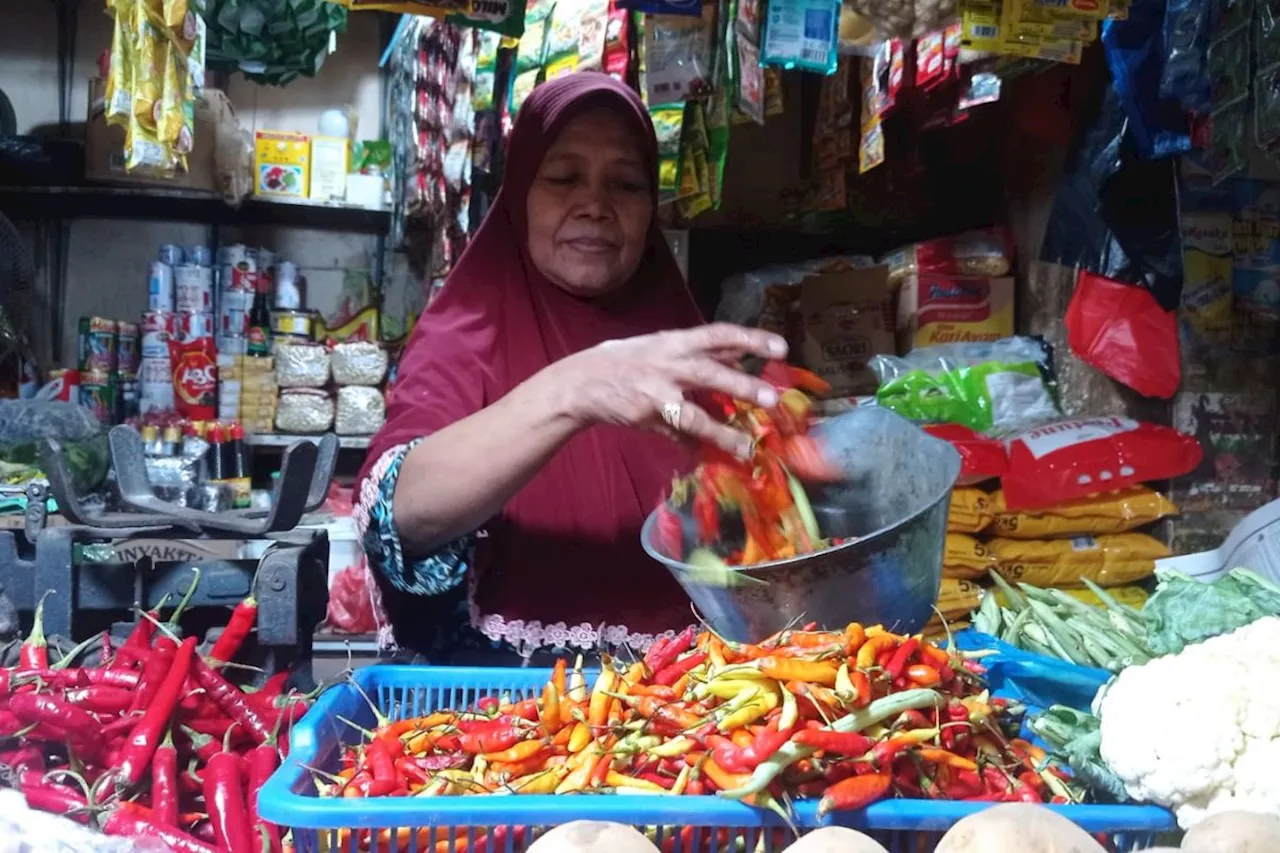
502 502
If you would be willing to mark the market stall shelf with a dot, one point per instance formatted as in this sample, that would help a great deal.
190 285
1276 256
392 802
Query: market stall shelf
184 206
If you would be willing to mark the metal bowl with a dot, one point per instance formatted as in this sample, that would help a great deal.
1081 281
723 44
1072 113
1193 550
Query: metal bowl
894 500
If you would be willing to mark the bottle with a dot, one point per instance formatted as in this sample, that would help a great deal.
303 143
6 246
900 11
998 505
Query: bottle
171 440
190 438
238 473
216 458
259 343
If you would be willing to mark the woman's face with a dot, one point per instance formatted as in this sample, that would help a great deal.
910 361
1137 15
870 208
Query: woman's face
590 206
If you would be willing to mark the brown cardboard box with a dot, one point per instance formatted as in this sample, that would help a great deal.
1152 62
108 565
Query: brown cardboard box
104 146
847 319
947 309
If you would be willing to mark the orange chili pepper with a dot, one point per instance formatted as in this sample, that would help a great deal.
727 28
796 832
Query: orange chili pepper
856 792
550 712
923 675
812 639
657 691
872 648
854 636
563 736
742 737
947 758
615 713
598 706
522 751
790 669
934 656
580 738
570 711
723 779
681 686
559 678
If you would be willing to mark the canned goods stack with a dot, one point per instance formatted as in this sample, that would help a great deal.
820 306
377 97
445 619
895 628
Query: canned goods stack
98 365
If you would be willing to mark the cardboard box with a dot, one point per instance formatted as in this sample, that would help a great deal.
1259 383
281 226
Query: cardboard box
104 146
946 309
847 317
281 164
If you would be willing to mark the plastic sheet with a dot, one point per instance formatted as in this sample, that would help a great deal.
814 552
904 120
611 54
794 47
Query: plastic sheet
30 831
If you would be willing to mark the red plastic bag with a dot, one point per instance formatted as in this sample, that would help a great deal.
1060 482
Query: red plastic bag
1121 330
350 605
981 457
1067 460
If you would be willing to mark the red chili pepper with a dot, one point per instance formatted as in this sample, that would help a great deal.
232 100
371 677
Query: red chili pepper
189 781
138 643
34 653
381 762
101 699
901 657
164 783
75 723
122 823
271 690
260 763
237 631
841 743
145 736
225 800
659 658
55 799
706 515
23 758
673 673
490 740
856 792
203 746
232 701
154 670
745 759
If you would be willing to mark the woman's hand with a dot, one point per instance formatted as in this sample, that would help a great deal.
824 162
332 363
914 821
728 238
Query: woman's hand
642 381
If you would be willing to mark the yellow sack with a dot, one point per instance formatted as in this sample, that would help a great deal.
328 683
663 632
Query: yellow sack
1110 560
1116 512
936 631
958 598
966 557
971 510
1133 596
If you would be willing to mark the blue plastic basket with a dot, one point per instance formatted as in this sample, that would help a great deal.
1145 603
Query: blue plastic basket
289 798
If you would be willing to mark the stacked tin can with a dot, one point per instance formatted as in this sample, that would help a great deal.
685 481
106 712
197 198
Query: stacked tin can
98 364
159 325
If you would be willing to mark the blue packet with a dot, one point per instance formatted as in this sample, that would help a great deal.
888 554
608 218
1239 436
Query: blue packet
663 7
802 34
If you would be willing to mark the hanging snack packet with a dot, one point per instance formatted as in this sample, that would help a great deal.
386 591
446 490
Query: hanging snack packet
964 553
695 190
981 457
118 101
563 32
992 387
1229 141
1110 560
486 79
592 34
1267 43
802 34
1111 512
677 56
506 17
150 57
532 51
668 126
1072 459
617 43
175 20
958 598
971 510
931 60
175 113
522 85
1229 68
693 8
751 86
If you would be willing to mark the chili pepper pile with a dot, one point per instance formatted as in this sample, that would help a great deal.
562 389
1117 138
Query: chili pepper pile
156 742
754 510
847 717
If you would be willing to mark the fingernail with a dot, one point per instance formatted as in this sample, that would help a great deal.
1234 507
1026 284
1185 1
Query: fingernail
767 397
777 347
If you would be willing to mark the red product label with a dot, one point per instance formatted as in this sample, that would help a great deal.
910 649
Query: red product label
929 60
1073 459
195 379
947 299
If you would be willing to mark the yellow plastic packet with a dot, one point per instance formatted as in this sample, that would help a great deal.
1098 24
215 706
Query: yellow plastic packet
151 54
958 598
971 510
118 100
143 150
1113 559
966 557
175 20
174 114
1114 512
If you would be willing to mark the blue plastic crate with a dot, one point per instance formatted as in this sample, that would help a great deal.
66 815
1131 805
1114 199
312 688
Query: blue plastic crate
289 798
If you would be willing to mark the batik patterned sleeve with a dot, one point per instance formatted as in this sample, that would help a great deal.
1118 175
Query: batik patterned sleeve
433 574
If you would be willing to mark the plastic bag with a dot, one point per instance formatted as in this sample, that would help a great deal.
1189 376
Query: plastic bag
1123 331
981 458
991 387
1072 459
677 56
1113 512
971 511
1109 560
350 606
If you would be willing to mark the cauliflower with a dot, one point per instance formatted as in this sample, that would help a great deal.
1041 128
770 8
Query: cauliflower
1199 731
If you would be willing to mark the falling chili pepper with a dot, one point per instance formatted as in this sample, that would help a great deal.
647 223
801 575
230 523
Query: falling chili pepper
901 657
236 631
34 653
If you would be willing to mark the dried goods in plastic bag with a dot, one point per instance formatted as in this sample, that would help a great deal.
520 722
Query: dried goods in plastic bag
1110 512
984 253
970 511
1110 560
965 553
991 387
1072 459
981 457
1123 331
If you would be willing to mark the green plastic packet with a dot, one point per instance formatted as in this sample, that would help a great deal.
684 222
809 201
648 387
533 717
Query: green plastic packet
668 125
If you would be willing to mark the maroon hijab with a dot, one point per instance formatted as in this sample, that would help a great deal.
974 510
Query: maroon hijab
566 547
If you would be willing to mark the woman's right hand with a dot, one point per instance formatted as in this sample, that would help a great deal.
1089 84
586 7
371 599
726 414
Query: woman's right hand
642 381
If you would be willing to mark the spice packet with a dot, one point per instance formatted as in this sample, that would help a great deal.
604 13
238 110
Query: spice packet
150 56
591 35
118 100
751 86
748 20
717 142
802 34
695 188
563 32
982 87
617 42
677 56
668 126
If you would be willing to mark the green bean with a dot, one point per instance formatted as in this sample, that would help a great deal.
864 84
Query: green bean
1015 598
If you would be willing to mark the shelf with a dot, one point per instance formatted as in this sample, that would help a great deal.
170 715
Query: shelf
183 206
273 439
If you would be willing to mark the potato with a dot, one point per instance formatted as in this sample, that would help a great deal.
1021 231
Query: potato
592 836
835 839
1017 828
1234 832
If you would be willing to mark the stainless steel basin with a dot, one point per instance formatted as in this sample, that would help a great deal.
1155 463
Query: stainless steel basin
894 499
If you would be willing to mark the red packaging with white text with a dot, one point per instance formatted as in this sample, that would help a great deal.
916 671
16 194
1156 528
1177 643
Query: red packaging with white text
195 378
981 457
1072 459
